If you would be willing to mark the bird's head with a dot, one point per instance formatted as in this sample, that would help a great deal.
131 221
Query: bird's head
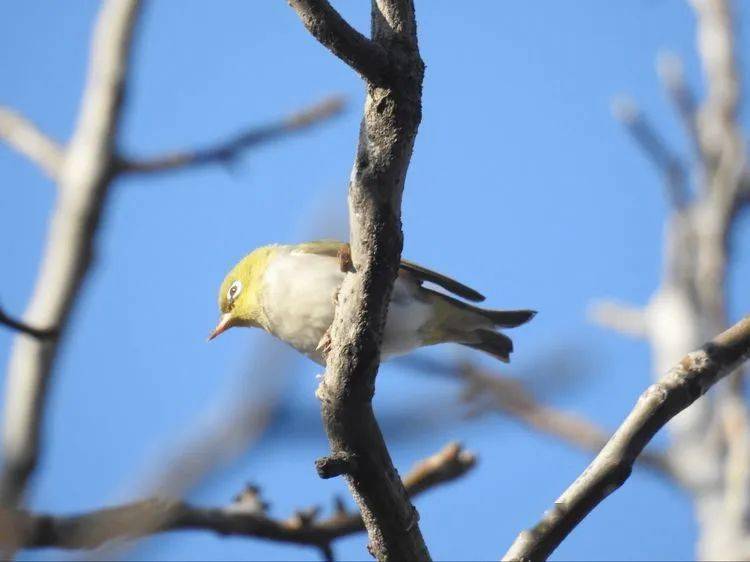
239 295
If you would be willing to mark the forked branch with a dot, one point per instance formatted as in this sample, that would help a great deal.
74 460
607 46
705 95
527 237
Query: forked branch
393 72
366 57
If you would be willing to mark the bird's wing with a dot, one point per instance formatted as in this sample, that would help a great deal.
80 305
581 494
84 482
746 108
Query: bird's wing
327 247
451 285
334 248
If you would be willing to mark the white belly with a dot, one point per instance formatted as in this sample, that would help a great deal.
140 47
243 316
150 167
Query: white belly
298 300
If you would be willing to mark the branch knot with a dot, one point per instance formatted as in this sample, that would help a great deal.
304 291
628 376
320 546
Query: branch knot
336 464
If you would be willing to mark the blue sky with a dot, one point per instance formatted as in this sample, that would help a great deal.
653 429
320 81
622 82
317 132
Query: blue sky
521 184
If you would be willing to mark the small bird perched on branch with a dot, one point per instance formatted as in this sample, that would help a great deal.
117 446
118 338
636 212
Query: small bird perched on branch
291 291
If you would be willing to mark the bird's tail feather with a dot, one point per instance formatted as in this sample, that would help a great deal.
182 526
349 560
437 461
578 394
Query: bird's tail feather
476 327
466 314
495 343
506 318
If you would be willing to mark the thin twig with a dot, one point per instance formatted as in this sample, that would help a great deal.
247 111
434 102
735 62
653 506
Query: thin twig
656 149
23 136
491 391
228 150
669 68
19 326
678 389
509 397
622 318
245 518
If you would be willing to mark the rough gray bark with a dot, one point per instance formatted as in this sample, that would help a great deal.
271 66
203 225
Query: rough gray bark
393 71
662 401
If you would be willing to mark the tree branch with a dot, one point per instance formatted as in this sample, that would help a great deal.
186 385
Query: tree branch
230 149
24 137
655 149
85 177
678 389
489 391
246 517
392 115
621 318
718 127
367 58
509 397
13 324
669 68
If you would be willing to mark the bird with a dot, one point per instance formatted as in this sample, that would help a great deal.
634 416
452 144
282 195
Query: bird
290 291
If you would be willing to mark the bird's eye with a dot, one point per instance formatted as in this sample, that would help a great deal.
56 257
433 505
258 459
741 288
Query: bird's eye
234 290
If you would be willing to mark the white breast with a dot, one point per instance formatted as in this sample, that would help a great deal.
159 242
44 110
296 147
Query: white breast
407 315
298 300
298 295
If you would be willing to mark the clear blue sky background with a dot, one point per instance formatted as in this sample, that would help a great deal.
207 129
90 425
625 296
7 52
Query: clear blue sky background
521 184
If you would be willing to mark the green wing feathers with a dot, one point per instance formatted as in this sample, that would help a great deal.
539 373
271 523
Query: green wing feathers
423 274
420 274
455 320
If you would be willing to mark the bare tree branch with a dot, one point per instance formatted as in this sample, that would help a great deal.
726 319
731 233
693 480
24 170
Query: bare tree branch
669 68
246 517
619 317
84 181
490 391
656 149
678 389
718 127
23 136
389 126
228 150
13 324
708 442
368 58
508 396
226 430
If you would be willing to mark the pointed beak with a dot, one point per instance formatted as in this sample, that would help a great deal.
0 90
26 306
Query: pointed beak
225 322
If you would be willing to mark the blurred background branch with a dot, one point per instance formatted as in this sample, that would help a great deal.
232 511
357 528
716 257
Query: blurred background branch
490 391
23 136
712 464
246 517
85 174
85 170
225 151
14 324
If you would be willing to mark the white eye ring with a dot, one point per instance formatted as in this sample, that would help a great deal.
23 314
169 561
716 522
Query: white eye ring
234 290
